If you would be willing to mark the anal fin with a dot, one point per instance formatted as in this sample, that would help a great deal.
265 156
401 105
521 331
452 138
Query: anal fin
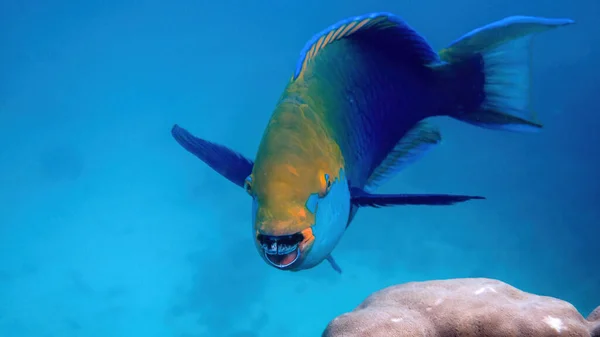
417 141
334 264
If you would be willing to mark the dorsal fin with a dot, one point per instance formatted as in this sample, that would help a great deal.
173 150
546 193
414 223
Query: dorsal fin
417 141
385 26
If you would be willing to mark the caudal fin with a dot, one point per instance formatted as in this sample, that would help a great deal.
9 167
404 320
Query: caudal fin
487 73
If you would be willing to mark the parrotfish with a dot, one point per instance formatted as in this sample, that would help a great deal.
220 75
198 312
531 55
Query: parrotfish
354 114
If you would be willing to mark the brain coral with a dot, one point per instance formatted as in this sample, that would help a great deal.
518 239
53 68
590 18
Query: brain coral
462 307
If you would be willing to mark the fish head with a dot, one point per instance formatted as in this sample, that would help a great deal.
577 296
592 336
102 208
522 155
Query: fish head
301 206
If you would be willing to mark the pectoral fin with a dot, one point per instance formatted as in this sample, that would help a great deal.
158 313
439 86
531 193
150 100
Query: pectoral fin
225 161
363 199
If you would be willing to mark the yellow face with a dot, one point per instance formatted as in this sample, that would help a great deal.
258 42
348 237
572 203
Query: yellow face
296 167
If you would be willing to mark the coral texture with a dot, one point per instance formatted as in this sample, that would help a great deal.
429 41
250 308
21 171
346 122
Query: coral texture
462 307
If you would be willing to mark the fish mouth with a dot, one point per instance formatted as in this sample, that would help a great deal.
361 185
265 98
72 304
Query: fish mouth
281 251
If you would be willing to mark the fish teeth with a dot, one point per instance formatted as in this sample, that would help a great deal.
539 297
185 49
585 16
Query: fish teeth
278 249
285 249
279 245
270 248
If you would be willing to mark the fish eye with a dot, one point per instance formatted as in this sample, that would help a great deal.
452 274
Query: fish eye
248 185
325 184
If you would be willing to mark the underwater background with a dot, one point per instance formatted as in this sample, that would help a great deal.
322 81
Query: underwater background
109 228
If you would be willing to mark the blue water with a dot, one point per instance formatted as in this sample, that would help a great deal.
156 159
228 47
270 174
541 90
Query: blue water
109 228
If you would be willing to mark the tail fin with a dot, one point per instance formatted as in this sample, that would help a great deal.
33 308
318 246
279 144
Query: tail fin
489 72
